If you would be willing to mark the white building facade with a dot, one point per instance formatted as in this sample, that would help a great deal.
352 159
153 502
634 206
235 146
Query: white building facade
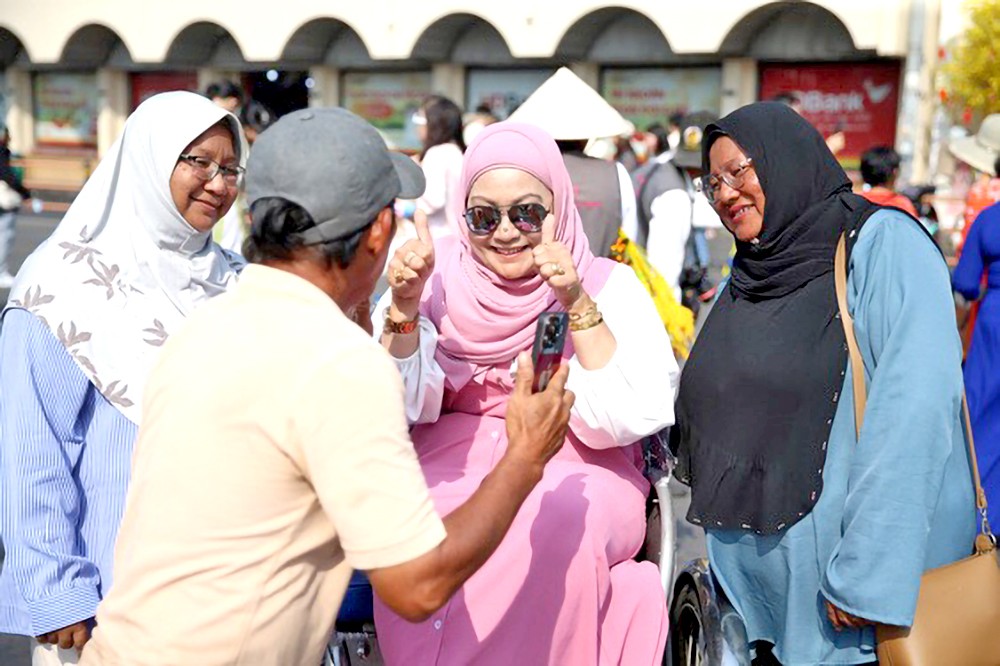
71 72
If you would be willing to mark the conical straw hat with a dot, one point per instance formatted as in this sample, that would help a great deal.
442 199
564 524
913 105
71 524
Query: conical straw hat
982 149
569 110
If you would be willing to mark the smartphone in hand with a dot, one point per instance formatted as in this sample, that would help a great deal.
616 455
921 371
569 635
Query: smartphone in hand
550 339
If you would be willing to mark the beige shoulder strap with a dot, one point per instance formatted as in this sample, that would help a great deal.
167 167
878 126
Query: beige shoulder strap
858 370
857 365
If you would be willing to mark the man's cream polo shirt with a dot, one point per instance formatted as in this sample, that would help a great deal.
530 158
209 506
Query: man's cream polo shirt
273 458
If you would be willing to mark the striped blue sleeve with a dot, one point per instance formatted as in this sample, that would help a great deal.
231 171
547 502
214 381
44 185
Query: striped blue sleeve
42 394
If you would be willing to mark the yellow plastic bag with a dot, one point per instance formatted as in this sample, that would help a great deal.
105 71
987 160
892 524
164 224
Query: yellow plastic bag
677 319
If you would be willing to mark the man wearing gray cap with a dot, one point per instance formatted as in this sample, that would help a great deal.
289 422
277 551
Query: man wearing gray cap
274 455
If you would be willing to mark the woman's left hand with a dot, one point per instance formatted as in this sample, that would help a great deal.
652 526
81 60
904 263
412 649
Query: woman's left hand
844 620
554 263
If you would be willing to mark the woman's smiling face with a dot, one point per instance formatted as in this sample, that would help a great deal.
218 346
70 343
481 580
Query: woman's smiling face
741 209
506 250
203 203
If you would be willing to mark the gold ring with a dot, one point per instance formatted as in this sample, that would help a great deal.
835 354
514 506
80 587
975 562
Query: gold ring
557 269
397 276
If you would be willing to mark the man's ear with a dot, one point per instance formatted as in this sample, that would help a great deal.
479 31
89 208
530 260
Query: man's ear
382 231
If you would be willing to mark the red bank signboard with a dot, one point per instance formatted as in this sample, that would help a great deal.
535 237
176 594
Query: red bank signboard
859 99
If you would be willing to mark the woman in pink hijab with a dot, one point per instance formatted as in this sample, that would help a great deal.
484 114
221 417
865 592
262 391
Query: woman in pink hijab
563 587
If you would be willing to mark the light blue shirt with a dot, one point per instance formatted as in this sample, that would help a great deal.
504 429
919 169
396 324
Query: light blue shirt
65 456
895 503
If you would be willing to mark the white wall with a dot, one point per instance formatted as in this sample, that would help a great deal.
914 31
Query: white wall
390 28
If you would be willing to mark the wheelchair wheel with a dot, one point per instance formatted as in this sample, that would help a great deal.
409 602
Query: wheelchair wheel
688 641
354 648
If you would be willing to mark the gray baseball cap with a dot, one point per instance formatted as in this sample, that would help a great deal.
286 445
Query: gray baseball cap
333 164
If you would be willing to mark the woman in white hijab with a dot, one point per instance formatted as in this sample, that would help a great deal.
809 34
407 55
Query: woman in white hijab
89 311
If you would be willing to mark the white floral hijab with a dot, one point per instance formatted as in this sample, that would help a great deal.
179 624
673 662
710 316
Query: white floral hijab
124 268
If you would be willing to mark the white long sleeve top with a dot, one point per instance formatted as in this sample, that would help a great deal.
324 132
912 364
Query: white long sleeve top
631 397
670 226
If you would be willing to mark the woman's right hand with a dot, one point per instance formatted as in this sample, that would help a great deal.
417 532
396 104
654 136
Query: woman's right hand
409 270
841 619
75 635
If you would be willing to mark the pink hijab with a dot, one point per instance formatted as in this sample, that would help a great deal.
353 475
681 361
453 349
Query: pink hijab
485 320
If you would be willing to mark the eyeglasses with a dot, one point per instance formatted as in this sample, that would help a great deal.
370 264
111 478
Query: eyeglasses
733 175
527 217
206 169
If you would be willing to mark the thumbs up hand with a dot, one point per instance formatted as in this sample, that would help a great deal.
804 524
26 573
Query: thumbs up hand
554 262
409 269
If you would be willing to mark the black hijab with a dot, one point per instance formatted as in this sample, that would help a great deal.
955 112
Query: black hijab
759 392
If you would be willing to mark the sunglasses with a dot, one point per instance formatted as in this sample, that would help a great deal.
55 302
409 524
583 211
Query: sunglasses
526 217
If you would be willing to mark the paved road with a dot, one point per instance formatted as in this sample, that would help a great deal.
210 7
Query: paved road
33 229
14 650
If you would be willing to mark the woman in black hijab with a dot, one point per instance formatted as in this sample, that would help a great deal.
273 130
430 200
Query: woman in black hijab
813 534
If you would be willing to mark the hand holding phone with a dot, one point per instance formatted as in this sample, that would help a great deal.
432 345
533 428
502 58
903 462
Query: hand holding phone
546 355
537 422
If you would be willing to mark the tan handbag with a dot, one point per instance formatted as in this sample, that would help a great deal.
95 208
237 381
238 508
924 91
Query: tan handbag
958 609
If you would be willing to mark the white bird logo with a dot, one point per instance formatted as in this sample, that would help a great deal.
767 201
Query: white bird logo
877 94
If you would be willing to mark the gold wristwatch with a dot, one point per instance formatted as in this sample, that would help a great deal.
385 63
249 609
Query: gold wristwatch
399 327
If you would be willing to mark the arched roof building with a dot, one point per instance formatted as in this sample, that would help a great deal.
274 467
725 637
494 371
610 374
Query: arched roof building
648 57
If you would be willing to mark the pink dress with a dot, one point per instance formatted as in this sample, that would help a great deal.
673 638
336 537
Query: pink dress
562 588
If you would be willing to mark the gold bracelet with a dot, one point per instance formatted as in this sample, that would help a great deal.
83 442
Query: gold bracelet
589 319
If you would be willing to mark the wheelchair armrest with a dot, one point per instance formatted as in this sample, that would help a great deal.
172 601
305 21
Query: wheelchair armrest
658 462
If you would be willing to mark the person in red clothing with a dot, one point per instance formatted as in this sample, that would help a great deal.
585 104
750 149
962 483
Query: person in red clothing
980 151
879 168
984 193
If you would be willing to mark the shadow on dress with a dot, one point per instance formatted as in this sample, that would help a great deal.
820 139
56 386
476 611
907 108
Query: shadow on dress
543 591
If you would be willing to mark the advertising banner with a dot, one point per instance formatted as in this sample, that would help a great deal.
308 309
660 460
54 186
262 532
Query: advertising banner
147 84
651 95
859 99
387 100
66 109
502 90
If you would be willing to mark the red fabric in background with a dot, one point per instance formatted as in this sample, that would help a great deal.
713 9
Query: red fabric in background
883 196
147 84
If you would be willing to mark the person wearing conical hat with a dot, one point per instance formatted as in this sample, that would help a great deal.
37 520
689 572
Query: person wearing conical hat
980 151
573 113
